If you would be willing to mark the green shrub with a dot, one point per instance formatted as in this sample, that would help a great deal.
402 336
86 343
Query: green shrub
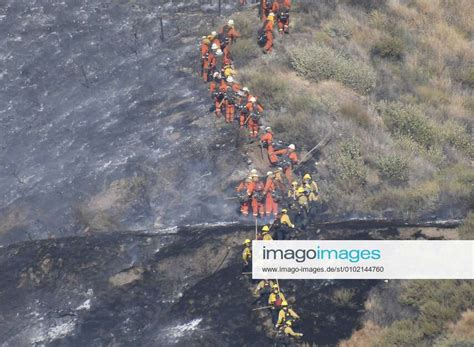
393 168
338 28
466 231
367 4
319 62
467 76
438 302
456 136
401 333
389 47
356 112
271 89
349 167
408 121
244 50
245 24
290 130
453 341
407 201
303 102
343 297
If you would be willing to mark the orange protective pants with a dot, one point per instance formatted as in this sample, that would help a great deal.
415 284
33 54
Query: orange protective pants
270 205
269 44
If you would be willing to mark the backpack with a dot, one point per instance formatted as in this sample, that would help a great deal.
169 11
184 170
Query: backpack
223 39
285 162
231 96
266 290
278 301
283 14
225 29
261 37
259 196
276 196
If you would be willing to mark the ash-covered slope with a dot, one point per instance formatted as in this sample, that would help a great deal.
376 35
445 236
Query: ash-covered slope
182 289
103 125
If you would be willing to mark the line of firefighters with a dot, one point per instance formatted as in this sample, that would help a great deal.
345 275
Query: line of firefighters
230 98
269 294
262 199
271 12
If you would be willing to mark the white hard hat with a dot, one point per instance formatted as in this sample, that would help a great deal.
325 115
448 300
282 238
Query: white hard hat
214 46
204 37
214 33
219 52
216 74
269 173
230 22
271 14
245 89
230 79
268 129
292 146
252 99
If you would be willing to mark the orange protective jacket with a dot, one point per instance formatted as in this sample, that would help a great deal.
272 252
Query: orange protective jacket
250 106
249 186
269 185
222 86
236 87
292 155
278 3
210 62
268 26
267 138
204 49
230 32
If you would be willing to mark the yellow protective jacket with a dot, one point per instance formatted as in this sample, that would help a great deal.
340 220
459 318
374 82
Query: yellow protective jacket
303 200
289 332
313 189
283 316
246 255
262 285
292 193
267 237
285 219
274 296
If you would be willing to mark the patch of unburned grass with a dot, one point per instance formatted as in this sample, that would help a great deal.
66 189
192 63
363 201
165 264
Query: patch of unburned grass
317 62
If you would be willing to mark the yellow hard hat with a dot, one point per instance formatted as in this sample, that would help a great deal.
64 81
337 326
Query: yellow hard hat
284 210
300 190
247 241
265 229
294 183
307 177
275 286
